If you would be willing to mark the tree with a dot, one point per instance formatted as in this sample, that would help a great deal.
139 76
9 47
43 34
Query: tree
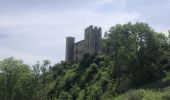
40 71
137 50
44 73
75 91
16 80
64 96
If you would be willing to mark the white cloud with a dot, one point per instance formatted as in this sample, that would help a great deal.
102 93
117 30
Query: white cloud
105 1
6 53
39 33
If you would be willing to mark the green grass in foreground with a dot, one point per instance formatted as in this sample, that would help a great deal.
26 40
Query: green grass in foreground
142 94
148 94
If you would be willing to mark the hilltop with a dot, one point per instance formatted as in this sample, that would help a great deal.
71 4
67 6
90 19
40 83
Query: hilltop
136 67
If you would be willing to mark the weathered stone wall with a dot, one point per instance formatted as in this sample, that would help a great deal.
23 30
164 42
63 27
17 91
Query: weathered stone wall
79 50
94 39
90 45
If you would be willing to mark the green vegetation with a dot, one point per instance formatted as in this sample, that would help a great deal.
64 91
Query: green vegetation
142 94
136 66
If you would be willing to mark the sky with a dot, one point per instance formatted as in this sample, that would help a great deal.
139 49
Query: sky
35 30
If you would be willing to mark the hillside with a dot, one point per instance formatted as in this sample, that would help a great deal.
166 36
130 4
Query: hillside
159 91
134 65
93 81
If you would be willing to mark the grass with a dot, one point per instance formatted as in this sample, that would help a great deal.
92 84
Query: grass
149 94
142 94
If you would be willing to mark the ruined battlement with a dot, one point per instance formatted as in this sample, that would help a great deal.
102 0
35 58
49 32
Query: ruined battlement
90 45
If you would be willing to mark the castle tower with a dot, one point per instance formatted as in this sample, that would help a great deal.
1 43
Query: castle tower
93 39
91 44
69 48
97 37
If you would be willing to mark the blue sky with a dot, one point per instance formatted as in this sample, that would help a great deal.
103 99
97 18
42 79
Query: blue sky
34 30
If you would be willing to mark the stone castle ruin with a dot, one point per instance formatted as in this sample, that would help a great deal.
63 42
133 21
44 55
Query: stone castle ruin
90 45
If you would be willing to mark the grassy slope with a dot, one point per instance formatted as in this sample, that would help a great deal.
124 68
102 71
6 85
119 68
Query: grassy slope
159 90
142 94
162 93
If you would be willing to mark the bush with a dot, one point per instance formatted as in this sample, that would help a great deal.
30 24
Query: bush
64 96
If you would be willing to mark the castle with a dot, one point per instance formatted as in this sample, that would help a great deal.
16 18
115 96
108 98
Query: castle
90 45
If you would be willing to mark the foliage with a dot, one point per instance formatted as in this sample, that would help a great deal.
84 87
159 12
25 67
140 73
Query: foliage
15 80
134 57
137 52
142 94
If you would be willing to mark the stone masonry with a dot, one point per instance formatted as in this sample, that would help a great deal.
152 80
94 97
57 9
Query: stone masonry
90 45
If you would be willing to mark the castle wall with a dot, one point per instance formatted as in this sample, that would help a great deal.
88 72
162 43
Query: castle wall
79 50
90 45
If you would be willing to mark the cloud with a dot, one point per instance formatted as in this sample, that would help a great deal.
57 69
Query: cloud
37 29
28 58
3 36
42 32
103 2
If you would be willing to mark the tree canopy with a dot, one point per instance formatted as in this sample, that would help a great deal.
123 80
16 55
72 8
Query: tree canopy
134 56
